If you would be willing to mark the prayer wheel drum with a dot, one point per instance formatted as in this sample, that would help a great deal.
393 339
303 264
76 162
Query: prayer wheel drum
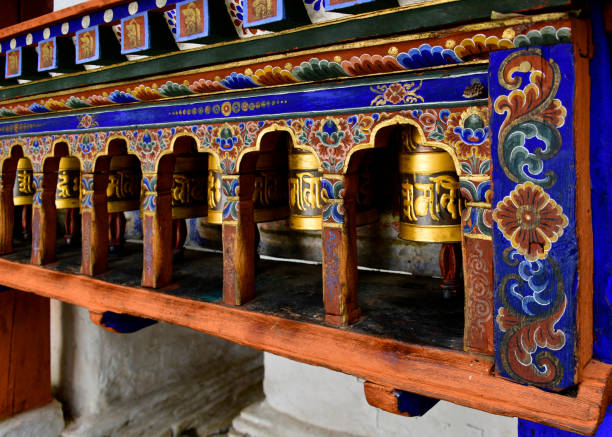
23 190
67 194
216 199
189 187
430 210
123 189
305 192
270 192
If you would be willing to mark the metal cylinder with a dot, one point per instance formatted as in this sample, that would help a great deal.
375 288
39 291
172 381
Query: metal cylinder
189 187
270 192
23 190
123 189
306 199
216 199
67 194
430 209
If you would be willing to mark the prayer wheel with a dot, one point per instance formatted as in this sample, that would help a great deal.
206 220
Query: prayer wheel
189 188
430 210
270 187
23 190
305 191
216 199
123 189
67 194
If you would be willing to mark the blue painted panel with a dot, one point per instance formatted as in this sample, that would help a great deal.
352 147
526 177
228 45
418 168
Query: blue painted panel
125 323
534 238
601 158
340 98
329 6
413 404
530 429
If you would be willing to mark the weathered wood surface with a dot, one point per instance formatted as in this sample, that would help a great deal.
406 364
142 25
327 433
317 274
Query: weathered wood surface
459 377
397 401
25 352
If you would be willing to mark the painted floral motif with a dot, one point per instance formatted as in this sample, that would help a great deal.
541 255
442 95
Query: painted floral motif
148 145
333 212
481 44
396 93
530 220
468 133
87 121
427 56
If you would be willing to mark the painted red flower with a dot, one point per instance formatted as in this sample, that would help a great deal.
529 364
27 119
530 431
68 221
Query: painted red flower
530 220
395 93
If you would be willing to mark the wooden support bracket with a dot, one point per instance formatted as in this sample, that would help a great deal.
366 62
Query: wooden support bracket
397 401
44 219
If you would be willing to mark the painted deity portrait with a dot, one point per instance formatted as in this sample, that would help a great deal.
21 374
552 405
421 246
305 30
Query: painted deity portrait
133 33
13 63
261 9
191 16
87 44
46 54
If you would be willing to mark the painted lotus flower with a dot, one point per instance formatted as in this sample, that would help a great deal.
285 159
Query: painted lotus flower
530 220
395 93
330 132
468 133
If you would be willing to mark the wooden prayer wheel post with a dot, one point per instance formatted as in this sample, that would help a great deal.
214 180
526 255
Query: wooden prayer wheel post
238 239
156 221
44 214
430 209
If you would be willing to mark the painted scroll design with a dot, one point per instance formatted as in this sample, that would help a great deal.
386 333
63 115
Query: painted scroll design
333 210
531 290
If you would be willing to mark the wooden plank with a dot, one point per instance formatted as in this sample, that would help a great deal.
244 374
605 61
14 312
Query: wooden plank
458 377
25 352
397 401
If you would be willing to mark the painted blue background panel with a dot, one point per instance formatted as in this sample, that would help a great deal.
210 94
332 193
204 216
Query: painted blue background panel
534 201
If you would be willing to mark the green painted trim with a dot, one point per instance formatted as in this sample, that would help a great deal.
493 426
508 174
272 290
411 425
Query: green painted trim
400 21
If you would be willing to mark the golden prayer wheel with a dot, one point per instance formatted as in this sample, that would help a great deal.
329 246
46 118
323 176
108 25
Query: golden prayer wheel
67 194
270 187
430 209
305 191
23 190
216 199
123 189
189 188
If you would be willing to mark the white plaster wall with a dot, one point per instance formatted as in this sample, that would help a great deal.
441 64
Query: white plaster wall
336 401
93 369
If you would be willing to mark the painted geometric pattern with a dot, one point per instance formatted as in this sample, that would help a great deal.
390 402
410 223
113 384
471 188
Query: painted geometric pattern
383 58
534 236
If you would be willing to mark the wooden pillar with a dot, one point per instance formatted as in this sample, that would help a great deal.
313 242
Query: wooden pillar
94 224
157 226
7 212
238 239
25 356
44 219
340 250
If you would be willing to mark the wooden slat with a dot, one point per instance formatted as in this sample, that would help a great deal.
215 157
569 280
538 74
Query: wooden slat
458 377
